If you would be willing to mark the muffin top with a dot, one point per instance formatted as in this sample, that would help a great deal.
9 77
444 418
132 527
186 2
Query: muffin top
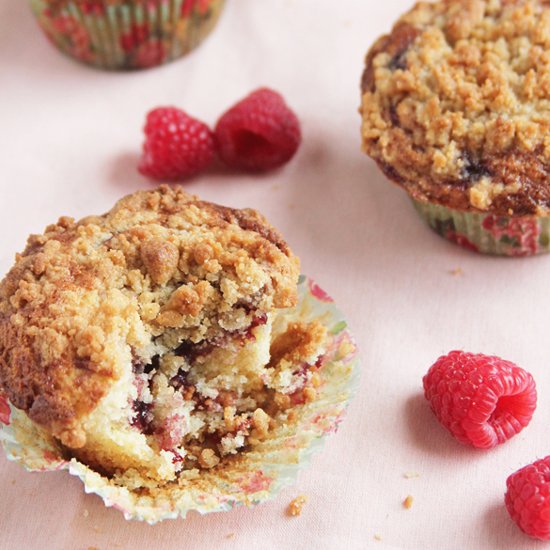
456 104
88 299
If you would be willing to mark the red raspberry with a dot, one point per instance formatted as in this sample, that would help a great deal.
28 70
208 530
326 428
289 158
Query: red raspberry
176 145
481 400
260 132
528 498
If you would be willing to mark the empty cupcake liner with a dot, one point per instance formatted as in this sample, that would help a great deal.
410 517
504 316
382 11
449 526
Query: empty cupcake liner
254 476
488 233
126 34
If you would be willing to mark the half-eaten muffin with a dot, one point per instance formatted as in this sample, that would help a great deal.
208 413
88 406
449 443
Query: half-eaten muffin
141 340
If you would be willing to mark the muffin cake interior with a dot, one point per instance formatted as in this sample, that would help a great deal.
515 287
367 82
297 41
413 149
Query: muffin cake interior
153 338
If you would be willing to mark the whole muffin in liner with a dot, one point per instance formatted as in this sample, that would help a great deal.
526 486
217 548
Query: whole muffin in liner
456 110
126 34
254 476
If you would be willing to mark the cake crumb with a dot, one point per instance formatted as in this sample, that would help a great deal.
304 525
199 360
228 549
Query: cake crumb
408 502
316 380
411 475
296 505
230 535
377 537
292 415
208 459
456 272
260 420
85 513
310 394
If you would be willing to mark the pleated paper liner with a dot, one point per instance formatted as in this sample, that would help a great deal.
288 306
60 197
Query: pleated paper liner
251 478
126 34
488 233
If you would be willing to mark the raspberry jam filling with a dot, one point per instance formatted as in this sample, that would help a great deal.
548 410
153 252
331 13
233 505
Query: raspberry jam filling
143 412
143 417
205 401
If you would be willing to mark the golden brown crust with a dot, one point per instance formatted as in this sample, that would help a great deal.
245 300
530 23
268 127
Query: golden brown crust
456 104
85 297
299 341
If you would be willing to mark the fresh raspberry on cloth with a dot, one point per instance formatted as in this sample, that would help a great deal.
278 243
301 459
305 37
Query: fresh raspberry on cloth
482 400
259 133
528 498
176 145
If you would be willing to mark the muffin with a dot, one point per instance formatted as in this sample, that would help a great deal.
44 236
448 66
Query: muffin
126 34
153 340
456 110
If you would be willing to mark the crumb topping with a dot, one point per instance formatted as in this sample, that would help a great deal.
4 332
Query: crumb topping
456 104
89 302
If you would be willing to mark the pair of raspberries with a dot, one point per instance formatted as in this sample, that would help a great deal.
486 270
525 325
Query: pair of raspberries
484 401
259 133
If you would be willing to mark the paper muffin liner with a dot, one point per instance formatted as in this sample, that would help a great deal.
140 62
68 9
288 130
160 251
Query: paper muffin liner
126 34
488 233
254 476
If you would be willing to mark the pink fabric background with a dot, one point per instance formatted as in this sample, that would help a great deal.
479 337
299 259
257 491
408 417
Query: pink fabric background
69 139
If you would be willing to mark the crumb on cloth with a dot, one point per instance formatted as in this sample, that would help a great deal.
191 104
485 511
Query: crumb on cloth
408 502
295 507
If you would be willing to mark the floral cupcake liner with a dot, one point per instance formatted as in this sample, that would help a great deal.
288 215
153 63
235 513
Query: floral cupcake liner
256 475
488 233
126 34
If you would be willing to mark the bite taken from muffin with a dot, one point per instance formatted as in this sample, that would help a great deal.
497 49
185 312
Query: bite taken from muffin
142 342
456 110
